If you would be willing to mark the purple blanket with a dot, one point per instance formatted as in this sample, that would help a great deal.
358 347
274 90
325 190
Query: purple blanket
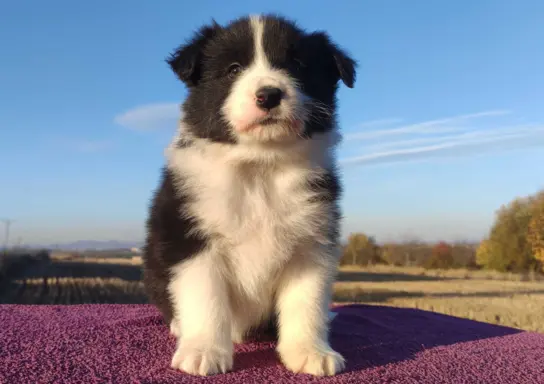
130 344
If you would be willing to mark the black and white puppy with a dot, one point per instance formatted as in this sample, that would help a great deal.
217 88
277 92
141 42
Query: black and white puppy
244 226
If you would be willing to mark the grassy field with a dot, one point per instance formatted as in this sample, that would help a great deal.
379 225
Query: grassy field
506 299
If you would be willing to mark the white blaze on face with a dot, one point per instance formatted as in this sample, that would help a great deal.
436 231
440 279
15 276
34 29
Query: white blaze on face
240 108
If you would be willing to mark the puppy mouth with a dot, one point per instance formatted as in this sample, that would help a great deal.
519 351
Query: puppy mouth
269 121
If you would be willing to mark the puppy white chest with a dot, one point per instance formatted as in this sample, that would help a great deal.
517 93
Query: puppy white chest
261 208
262 214
268 217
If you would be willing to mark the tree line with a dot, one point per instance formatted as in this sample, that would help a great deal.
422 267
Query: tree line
515 243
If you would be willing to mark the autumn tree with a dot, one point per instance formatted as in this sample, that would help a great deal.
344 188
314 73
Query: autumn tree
507 248
394 254
441 257
360 250
483 253
408 253
464 255
535 233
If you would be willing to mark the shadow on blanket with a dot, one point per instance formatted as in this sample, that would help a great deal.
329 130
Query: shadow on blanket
384 335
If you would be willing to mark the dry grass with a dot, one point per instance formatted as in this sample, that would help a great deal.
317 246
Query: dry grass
62 256
69 290
506 299
76 282
450 273
135 260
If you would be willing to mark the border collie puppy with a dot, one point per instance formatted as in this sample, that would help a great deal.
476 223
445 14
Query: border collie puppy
244 226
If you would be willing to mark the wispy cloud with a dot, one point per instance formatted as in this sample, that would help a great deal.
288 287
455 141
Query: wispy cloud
464 136
379 122
473 139
448 124
150 117
83 145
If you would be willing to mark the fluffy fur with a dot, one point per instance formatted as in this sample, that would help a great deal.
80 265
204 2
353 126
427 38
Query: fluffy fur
243 228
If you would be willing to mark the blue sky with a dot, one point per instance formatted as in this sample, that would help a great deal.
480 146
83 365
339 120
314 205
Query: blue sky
444 125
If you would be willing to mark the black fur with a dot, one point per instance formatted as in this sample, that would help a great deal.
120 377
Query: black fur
202 64
328 188
168 241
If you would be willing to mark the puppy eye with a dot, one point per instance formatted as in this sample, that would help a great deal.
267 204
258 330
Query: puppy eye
234 69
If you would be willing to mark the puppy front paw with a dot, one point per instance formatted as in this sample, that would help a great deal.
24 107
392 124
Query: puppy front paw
312 359
202 360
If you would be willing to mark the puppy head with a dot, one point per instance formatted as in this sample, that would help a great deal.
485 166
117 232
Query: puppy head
260 79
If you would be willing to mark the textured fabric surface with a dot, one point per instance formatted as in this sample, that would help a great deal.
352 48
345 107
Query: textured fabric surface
130 344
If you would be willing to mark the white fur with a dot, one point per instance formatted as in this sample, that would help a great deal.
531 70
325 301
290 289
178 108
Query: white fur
269 249
303 301
240 109
204 344
273 242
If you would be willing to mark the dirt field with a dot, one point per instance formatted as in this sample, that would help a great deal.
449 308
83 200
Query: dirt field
513 300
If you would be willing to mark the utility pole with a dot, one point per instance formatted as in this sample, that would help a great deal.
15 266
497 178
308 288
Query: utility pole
7 224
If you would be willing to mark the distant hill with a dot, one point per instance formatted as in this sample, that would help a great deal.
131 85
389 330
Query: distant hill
83 245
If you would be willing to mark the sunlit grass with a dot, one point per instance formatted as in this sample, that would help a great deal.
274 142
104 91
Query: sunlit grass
478 295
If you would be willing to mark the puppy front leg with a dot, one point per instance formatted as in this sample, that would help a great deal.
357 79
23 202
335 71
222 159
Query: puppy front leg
201 308
303 305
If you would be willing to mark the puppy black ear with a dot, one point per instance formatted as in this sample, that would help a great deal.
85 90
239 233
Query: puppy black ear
342 65
345 65
186 61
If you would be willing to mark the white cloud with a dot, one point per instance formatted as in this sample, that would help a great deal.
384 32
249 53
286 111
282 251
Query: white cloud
449 124
150 117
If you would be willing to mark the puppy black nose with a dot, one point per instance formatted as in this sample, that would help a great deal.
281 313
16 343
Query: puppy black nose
268 97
